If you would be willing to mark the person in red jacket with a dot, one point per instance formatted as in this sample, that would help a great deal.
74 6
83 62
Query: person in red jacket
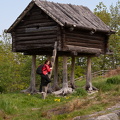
44 77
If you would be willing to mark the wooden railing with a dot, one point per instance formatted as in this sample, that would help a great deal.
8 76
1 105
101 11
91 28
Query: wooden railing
95 74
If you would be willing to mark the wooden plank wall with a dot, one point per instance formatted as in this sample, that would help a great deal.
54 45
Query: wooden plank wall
84 39
36 31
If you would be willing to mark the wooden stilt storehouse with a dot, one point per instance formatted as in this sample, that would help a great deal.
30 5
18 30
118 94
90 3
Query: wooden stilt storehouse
74 29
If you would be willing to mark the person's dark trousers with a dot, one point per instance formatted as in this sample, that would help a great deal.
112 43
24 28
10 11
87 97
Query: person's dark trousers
44 81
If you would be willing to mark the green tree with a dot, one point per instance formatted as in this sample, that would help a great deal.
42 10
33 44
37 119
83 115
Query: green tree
102 12
115 39
110 17
14 67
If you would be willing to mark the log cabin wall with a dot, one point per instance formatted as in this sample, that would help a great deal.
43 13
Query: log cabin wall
35 31
85 39
75 28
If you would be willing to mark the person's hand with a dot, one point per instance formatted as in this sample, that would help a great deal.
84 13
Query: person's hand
51 68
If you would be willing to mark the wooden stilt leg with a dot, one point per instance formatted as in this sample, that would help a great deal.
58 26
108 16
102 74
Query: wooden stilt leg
44 92
88 77
65 89
32 88
65 79
72 73
55 84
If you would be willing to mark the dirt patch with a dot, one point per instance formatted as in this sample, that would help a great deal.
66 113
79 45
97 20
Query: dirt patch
3 116
67 108
113 72
78 104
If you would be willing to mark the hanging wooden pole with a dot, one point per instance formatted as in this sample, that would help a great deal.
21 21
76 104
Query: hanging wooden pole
88 77
72 73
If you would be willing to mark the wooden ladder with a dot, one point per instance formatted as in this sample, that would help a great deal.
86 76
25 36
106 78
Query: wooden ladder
53 58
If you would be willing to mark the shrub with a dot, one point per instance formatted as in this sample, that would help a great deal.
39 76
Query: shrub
80 92
103 86
113 80
2 89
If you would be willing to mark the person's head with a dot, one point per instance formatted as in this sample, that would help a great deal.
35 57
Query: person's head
47 62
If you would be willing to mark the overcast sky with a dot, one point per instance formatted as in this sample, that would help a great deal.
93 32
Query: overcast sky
11 9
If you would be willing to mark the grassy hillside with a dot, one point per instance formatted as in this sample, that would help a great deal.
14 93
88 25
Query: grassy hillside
18 106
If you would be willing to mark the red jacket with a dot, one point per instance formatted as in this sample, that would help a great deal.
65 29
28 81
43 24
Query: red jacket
46 69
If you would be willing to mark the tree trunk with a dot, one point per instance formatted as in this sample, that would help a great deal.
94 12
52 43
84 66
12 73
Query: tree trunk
72 83
32 88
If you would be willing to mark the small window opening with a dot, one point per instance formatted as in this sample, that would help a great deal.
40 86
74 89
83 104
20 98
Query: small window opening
37 27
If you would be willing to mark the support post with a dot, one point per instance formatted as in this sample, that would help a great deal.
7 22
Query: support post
72 82
65 89
33 72
88 76
65 79
32 88
55 84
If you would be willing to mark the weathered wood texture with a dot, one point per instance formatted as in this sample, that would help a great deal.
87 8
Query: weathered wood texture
74 14
75 28
88 76
72 82
65 77
35 31
86 40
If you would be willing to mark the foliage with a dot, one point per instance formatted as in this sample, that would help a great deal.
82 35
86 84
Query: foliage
108 84
102 12
110 17
115 39
12 66
114 80
80 92
102 86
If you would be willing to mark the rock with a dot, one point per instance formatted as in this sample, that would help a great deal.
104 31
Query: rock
103 117
76 118
113 116
118 112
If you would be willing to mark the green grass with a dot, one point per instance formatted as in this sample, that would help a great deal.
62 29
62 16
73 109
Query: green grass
114 80
18 106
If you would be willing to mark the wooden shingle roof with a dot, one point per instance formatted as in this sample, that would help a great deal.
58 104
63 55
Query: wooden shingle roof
66 15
